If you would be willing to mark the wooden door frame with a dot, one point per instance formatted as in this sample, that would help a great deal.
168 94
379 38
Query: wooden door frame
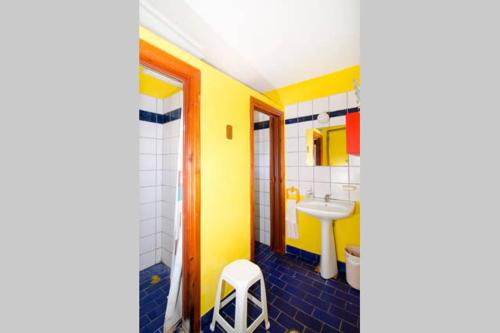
190 77
277 175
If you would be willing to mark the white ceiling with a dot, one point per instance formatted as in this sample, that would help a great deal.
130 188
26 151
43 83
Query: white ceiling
265 44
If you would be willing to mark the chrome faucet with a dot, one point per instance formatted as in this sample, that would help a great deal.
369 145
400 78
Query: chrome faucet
327 197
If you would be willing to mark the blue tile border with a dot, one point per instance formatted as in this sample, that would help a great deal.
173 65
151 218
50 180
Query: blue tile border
265 124
261 125
310 257
160 118
304 255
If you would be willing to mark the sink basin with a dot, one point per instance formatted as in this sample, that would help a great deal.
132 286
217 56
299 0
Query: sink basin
331 210
327 212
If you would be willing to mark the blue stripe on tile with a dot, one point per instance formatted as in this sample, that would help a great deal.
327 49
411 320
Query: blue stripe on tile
160 118
261 125
312 117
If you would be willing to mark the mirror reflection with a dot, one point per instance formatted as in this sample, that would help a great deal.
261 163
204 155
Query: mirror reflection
326 146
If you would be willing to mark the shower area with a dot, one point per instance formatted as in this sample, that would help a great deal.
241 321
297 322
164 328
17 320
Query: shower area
160 175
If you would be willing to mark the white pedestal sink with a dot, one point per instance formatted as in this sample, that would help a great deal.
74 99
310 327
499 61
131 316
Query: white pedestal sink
327 212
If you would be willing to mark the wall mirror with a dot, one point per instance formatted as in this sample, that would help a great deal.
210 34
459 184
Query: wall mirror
326 146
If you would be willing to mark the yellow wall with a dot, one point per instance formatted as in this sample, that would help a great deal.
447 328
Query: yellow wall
326 85
346 230
225 173
153 87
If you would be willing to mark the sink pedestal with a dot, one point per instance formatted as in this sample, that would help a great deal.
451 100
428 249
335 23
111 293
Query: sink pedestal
328 262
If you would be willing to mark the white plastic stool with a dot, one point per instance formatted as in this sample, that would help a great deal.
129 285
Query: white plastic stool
241 274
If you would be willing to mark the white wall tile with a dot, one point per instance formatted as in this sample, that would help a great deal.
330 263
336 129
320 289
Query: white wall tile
147 162
305 109
355 194
158 240
166 257
303 159
354 175
354 160
352 101
160 160
147 211
302 144
265 185
159 146
290 183
264 134
291 131
291 111
338 192
167 242
321 189
320 105
167 225
337 102
147 227
146 260
292 159
147 178
292 145
146 194
158 223
159 178
158 256
159 106
292 173
340 175
319 124
147 243
303 127
262 236
306 187
147 129
147 103
147 146
267 238
339 120
306 173
159 131
257 235
322 174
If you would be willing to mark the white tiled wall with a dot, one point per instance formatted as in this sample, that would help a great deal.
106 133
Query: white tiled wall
158 149
340 182
150 147
261 181
171 138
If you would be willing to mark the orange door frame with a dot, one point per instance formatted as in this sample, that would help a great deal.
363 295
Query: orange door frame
154 58
277 175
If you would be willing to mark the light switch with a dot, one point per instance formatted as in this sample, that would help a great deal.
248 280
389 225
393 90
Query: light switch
229 132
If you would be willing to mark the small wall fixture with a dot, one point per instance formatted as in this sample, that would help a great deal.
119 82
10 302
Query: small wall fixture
323 118
229 132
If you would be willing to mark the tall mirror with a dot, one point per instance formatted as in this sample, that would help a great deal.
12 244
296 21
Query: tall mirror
326 146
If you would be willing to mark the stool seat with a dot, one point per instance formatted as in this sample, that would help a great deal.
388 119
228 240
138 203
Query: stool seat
241 274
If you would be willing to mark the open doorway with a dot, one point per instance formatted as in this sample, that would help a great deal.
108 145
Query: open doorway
267 191
183 162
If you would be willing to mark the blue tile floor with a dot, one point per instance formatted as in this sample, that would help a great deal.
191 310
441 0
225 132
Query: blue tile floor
297 298
153 298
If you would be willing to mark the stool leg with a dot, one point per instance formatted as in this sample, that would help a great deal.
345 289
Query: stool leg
217 305
263 301
240 314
